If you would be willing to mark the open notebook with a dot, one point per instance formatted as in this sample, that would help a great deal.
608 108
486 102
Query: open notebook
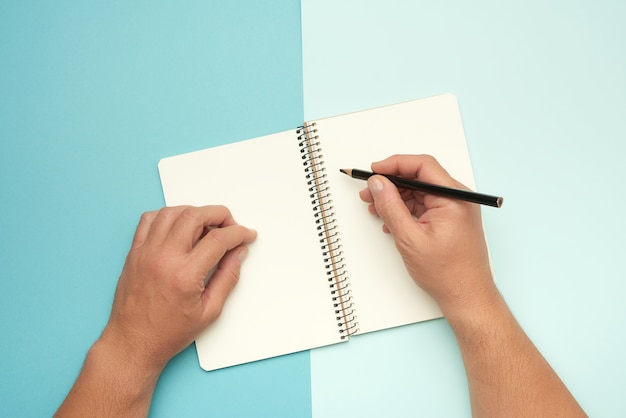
321 270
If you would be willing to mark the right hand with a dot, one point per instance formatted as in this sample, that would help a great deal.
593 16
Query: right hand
441 240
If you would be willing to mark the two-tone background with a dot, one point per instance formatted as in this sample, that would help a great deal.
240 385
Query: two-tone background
92 95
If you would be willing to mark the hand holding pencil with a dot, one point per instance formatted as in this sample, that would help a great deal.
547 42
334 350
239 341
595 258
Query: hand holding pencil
442 244
441 240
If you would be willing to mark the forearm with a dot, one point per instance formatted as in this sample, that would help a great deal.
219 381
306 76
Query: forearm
507 375
109 386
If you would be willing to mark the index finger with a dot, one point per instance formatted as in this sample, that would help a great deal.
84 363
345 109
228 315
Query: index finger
217 242
418 167
192 222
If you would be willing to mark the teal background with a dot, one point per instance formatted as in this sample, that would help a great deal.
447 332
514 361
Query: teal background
93 95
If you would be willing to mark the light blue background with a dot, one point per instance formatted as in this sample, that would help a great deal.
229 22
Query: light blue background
542 91
92 96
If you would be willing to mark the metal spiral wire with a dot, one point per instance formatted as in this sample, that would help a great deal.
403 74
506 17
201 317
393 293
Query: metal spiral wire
326 225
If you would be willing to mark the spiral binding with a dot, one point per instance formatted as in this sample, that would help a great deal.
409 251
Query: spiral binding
328 233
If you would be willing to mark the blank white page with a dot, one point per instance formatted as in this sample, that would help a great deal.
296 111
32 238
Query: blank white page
384 294
282 303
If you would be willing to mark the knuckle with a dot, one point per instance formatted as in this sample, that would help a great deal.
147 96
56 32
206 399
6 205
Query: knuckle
223 212
227 237
217 236
167 212
147 216
428 160
189 213
222 209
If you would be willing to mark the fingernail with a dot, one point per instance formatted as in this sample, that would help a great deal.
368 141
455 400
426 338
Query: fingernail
375 186
243 254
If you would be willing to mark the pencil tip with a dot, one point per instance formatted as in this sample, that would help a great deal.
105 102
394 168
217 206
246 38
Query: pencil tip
343 171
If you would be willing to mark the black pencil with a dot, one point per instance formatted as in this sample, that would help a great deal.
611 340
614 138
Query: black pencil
459 194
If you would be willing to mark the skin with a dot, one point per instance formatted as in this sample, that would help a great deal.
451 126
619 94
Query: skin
442 244
161 304
163 301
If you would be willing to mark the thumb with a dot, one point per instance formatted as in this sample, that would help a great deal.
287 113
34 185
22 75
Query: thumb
389 205
222 282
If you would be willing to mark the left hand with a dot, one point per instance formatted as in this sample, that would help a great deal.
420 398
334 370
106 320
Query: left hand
162 303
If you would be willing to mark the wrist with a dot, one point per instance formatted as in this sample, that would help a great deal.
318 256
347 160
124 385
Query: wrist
107 386
124 364
472 306
478 323
135 348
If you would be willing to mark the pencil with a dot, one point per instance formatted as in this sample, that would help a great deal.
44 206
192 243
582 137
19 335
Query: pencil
465 195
